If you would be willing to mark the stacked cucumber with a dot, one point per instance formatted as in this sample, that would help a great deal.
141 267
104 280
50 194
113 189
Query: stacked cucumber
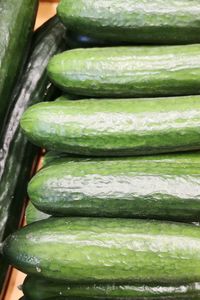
114 208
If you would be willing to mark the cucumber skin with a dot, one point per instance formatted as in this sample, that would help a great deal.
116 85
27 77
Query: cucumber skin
76 40
35 288
34 215
115 127
16 25
114 188
140 22
125 72
107 250
52 158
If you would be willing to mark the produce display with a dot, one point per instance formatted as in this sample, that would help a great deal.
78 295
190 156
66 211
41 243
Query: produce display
16 23
115 205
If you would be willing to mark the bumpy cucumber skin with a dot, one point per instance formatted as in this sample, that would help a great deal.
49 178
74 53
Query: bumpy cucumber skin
128 71
115 128
107 250
149 187
140 22
34 215
35 288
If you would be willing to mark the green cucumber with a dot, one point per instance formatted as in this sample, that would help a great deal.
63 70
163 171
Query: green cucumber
52 157
140 21
17 154
107 250
128 71
35 288
76 40
34 215
57 157
159 187
16 25
115 127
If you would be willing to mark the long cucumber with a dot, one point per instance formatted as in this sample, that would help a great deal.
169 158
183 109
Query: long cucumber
107 250
36 288
138 21
158 187
111 127
125 72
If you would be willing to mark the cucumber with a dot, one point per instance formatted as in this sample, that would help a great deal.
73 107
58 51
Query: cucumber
34 215
107 250
37 288
17 154
52 157
16 25
128 71
115 188
140 21
56 158
76 40
115 127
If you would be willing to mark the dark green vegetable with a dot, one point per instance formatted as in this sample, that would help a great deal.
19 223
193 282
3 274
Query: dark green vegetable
158 187
34 215
52 157
115 127
107 250
16 25
76 40
57 157
17 153
39 289
128 71
140 22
